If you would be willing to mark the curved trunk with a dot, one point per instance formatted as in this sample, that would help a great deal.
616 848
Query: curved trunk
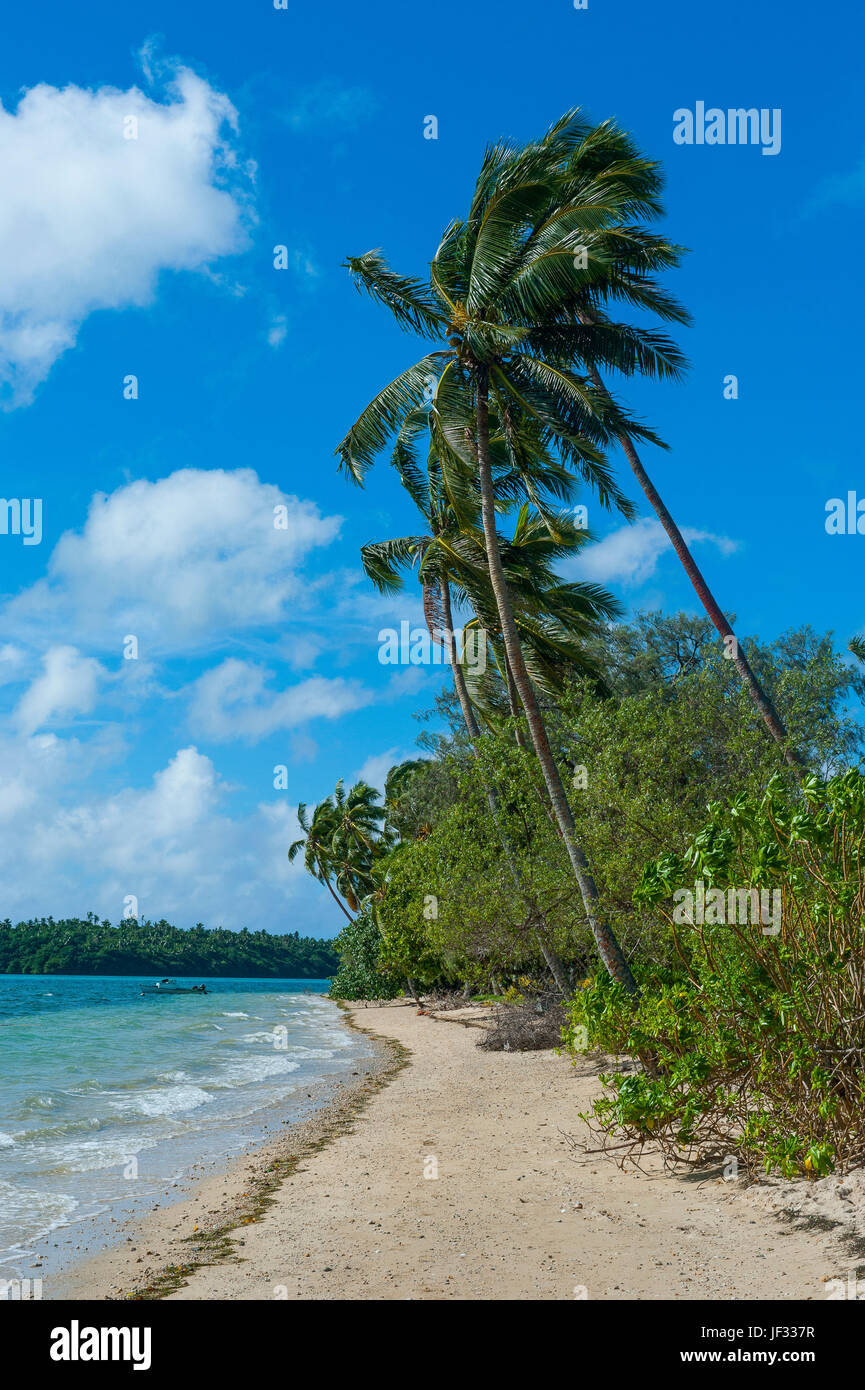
460 686
513 701
339 902
554 964
704 593
608 947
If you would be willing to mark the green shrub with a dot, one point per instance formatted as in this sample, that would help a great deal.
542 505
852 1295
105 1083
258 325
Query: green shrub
754 1042
360 976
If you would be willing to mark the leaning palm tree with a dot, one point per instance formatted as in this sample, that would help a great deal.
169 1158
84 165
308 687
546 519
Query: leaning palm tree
317 843
576 272
453 555
450 558
358 840
857 646
342 841
475 302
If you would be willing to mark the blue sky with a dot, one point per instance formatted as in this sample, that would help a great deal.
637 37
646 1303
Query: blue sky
153 257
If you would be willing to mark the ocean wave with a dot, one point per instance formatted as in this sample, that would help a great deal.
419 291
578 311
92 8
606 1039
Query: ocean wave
88 1155
268 1037
37 1103
254 1069
310 1054
41 1211
171 1100
43 1133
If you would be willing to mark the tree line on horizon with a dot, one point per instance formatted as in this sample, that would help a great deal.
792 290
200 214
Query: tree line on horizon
90 946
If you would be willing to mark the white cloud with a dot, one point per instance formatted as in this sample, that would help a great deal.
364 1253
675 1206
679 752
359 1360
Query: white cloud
328 103
630 555
377 766
64 851
69 684
178 563
278 331
13 661
232 701
304 265
89 219
838 190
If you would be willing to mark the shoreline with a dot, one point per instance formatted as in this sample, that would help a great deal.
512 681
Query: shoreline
220 1203
342 1206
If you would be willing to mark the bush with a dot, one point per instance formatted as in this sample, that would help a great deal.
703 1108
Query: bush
755 1043
359 976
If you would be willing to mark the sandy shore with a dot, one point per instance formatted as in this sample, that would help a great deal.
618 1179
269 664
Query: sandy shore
446 1172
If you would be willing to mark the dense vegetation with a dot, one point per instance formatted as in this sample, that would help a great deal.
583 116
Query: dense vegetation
591 782
87 946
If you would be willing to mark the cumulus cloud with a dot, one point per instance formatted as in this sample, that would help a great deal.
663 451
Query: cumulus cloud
172 845
233 700
630 555
378 765
69 683
13 661
177 563
90 217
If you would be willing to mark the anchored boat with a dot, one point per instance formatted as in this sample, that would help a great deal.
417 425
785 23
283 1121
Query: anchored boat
168 986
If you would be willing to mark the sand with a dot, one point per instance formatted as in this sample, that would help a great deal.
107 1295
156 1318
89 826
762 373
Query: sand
448 1173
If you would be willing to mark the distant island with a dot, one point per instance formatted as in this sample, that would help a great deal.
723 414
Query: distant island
88 946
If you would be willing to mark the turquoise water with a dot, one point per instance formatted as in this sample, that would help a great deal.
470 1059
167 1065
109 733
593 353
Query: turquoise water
106 1096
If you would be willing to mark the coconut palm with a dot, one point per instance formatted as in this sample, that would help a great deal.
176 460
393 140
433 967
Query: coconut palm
358 839
451 562
465 302
549 614
342 841
316 844
574 273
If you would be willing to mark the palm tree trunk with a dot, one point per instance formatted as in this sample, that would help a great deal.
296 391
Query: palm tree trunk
325 878
704 593
471 723
554 963
608 947
513 701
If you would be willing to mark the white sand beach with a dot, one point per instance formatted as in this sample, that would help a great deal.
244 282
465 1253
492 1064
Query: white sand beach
457 1179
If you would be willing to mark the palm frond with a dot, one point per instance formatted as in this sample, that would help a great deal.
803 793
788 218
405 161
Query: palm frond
412 303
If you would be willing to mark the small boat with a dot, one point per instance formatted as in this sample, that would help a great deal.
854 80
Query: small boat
168 986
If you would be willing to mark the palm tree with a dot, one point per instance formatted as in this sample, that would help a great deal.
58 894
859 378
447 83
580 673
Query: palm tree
616 263
857 646
553 618
317 846
449 554
358 839
342 841
397 782
474 302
